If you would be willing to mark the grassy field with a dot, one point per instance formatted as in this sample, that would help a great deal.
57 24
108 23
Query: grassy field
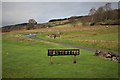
97 37
27 58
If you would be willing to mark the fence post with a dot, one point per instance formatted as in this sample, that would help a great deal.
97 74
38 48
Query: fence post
51 61
74 59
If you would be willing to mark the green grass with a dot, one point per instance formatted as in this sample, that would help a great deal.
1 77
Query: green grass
97 38
26 58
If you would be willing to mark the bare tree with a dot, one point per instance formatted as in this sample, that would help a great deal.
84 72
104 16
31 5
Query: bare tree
104 12
31 24
92 11
100 9
107 7
104 15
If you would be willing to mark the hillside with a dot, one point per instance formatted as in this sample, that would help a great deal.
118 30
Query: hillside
110 17
51 23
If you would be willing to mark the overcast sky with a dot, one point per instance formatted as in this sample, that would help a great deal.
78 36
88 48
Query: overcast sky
21 12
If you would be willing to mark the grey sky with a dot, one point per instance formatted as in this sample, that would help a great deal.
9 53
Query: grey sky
20 12
60 0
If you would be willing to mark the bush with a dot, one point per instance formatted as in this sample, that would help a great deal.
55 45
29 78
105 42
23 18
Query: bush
92 23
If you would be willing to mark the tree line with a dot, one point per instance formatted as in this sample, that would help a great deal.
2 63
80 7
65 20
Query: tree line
104 15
